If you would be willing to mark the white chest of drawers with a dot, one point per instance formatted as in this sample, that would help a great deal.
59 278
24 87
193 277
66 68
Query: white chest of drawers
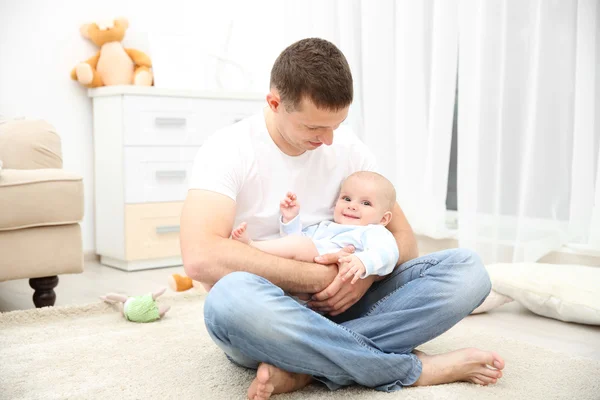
145 141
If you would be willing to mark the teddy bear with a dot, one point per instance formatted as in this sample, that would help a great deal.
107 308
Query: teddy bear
113 64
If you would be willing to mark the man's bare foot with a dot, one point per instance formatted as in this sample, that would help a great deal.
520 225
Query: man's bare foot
272 380
240 234
468 365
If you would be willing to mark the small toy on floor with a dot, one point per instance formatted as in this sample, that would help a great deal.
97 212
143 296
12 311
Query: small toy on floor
139 308
180 283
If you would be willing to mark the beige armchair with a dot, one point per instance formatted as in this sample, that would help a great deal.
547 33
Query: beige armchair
41 206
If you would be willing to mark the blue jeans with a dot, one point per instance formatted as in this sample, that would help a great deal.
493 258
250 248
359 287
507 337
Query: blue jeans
370 344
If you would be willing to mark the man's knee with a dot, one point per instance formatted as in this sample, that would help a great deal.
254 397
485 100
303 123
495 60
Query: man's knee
473 284
238 279
228 296
239 302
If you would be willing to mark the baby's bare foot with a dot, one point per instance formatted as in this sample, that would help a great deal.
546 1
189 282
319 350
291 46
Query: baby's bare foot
468 365
272 380
240 233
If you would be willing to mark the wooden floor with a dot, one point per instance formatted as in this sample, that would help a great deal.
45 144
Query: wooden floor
95 281
511 320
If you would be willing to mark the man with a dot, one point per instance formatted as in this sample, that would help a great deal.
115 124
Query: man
371 328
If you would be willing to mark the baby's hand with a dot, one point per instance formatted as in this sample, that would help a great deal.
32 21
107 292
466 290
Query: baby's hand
289 207
351 265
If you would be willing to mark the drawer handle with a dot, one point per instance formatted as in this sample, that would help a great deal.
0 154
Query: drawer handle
167 229
171 174
170 121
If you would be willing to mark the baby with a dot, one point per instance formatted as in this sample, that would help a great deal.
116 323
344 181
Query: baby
363 209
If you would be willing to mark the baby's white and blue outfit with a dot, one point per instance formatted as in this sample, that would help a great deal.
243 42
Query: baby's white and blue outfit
375 245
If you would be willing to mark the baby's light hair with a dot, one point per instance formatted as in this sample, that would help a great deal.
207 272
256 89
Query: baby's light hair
386 187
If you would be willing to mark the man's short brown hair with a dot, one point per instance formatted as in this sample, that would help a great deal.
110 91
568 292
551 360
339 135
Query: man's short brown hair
313 68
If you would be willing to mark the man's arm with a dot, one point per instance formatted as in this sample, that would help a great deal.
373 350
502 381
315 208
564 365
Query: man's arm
403 233
208 254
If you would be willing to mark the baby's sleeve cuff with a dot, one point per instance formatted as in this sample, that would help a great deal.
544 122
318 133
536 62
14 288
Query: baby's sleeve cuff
294 227
368 261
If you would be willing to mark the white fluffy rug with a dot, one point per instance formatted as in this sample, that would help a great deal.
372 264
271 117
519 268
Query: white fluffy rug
91 352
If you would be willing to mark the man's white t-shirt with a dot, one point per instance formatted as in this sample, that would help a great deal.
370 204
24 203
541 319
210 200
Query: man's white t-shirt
242 162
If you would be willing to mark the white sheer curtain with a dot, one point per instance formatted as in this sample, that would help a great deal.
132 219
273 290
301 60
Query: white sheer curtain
529 109
528 129
409 60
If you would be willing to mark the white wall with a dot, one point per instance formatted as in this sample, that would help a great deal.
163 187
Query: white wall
40 43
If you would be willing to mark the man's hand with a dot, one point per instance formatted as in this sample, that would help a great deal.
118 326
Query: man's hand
339 295
289 207
351 265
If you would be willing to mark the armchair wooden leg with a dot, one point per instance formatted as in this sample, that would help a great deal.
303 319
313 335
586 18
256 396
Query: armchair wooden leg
44 295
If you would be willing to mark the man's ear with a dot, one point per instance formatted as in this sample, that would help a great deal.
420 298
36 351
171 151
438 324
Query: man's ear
85 30
274 100
387 217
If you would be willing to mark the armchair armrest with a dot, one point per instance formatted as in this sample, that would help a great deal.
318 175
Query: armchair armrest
29 144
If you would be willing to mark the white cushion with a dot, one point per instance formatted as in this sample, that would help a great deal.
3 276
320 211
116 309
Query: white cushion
568 293
494 300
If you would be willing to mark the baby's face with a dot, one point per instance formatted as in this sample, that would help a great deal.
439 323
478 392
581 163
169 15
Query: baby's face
359 203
